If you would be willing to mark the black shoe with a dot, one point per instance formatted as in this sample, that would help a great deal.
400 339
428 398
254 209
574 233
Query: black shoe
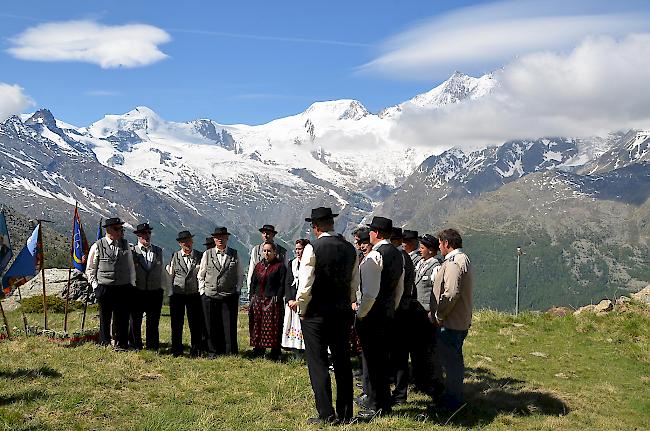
369 414
399 401
316 420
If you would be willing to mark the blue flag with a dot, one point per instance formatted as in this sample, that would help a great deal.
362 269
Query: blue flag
79 244
27 264
100 233
5 243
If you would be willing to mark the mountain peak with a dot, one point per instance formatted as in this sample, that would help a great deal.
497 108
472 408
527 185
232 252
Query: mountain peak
344 109
42 116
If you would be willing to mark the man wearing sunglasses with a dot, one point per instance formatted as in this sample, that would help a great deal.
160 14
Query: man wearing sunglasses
111 273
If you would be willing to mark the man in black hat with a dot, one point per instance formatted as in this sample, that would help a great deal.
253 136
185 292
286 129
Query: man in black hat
382 285
184 295
111 273
148 295
399 352
411 245
268 235
327 285
220 279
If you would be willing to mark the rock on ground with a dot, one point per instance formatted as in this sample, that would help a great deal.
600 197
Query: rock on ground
643 295
604 306
56 282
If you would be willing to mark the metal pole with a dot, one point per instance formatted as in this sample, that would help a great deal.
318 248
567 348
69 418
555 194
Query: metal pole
42 244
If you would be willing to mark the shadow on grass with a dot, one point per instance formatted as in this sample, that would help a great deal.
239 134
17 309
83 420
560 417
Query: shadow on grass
27 396
488 396
43 371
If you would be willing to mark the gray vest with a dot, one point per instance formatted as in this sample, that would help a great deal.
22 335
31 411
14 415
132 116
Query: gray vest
113 267
148 278
221 280
185 281
424 281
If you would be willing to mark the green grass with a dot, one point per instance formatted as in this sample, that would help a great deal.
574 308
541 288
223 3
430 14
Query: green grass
587 372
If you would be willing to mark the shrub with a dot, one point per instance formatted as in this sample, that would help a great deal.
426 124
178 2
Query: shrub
55 304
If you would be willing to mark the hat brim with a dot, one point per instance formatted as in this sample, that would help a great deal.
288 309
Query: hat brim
113 224
179 239
219 234
142 230
268 230
308 219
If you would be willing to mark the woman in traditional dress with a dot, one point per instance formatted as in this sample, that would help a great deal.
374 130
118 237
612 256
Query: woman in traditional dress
266 299
291 330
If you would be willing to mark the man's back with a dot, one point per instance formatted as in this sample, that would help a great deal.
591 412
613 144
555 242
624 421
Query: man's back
335 260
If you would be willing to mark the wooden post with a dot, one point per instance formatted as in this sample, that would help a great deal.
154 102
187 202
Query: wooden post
22 311
41 244
67 292
83 318
4 318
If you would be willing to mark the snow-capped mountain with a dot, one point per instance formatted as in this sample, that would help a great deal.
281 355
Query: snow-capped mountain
457 88
632 147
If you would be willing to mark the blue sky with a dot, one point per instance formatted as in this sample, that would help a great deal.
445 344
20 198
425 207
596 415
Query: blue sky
253 61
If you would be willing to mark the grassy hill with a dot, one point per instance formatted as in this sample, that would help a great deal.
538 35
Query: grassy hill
532 372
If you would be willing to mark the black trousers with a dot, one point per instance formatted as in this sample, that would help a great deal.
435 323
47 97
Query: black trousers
427 374
399 353
113 304
178 303
374 334
321 332
147 302
220 316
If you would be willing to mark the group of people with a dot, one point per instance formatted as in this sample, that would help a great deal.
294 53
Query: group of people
391 296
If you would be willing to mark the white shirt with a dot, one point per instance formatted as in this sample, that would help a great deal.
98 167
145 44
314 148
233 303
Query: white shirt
306 275
147 253
93 262
370 269
203 269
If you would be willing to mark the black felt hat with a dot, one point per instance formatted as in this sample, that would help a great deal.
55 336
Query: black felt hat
381 224
220 230
363 236
410 234
143 227
396 233
429 241
113 221
183 235
209 242
320 213
268 228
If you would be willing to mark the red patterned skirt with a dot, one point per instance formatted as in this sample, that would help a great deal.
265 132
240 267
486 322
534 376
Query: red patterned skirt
265 322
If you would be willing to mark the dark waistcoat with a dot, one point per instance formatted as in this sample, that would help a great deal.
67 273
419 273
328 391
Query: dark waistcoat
335 260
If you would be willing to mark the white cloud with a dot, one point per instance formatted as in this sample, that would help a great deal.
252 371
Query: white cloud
598 87
12 100
131 45
480 38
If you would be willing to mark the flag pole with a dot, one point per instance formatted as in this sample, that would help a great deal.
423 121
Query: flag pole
88 287
67 291
40 236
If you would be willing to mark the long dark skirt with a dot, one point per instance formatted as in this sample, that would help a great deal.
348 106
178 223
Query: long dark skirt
265 322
